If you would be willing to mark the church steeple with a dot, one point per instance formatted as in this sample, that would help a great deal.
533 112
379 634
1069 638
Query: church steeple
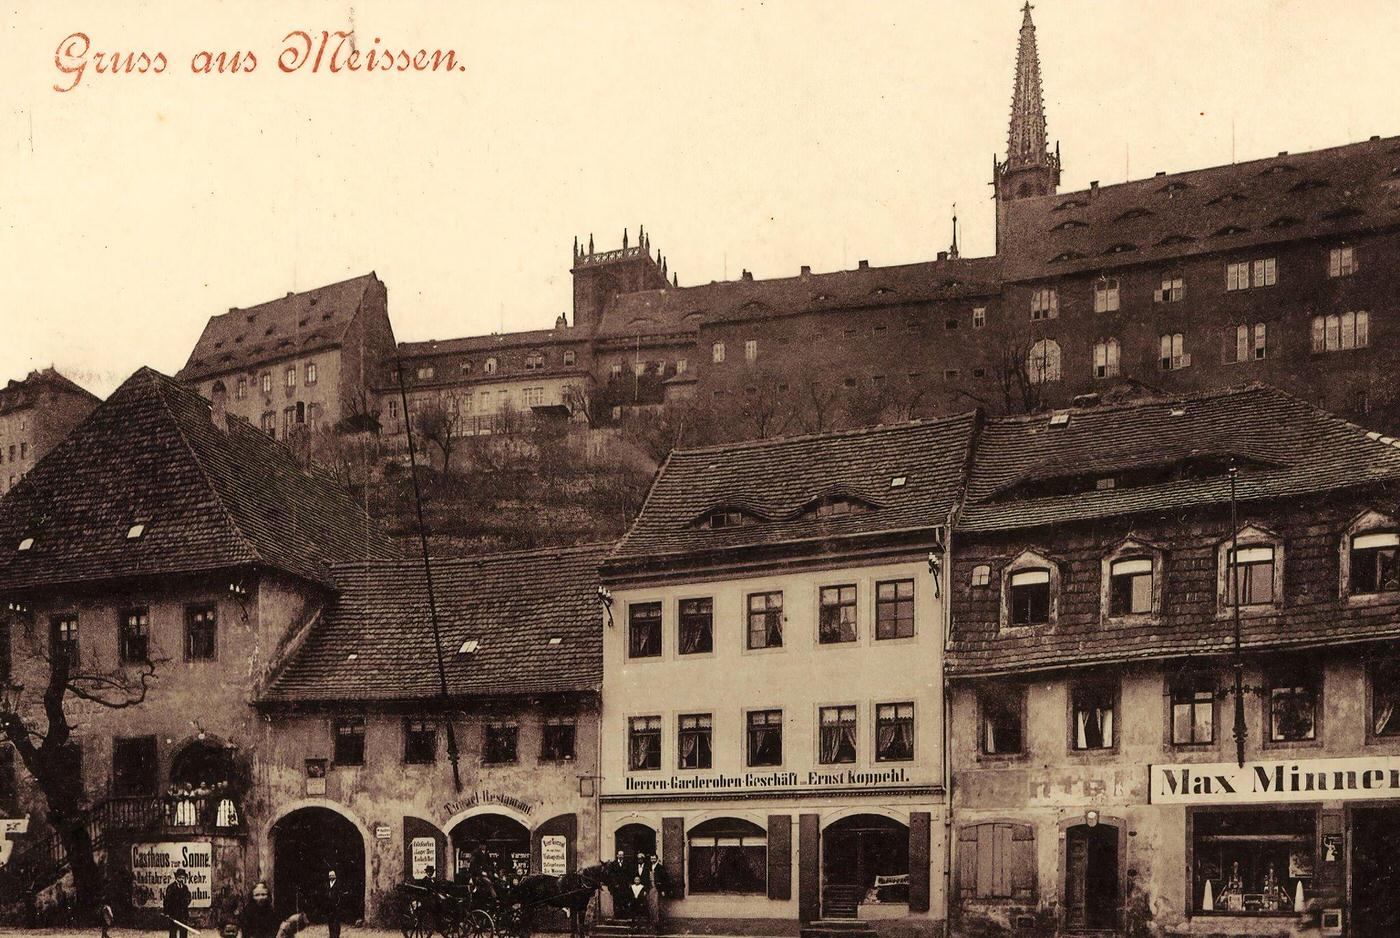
1030 168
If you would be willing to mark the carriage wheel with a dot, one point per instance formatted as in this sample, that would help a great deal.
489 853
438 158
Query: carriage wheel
415 921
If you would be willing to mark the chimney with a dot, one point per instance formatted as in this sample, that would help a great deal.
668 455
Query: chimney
218 406
746 275
862 265
806 270
942 255
1093 188
1161 172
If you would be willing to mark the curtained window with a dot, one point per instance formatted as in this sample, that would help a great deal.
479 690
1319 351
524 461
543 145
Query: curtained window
693 735
766 620
1092 712
201 633
697 626
838 735
1385 694
1003 710
765 743
837 622
1293 697
894 732
135 644
644 630
643 743
349 741
728 855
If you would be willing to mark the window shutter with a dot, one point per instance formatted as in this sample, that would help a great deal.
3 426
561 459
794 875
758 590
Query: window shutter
809 873
1022 862
673 853
779 856
920 831
967 862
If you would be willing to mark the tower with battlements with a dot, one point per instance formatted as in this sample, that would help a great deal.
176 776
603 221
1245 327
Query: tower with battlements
601 275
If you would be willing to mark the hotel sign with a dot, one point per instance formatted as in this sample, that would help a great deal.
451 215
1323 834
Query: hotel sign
1275 781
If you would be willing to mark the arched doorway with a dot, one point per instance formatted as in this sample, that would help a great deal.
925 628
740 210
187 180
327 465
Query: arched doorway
865 858
633 839
496 839
306 845
1091 876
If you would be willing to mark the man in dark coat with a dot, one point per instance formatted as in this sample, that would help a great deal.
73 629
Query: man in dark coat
619 883
335 905
176 904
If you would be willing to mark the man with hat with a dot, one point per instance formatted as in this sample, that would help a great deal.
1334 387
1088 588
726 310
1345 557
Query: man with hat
176 904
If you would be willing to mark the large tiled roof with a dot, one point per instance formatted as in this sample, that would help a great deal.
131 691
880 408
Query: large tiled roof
295 324
19 394
376 640
776 481
680 311
1283 447
486 343
1321 193
209 499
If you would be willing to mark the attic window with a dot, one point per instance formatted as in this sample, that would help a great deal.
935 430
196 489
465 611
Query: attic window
1071 203
1345 211
469 647
1277 168
1070 224
1132 213
25 543
353 656
1120 248
1229 198
1175 185
302 322
268 330
252 317
326 316
135 532
1068 256
556 640
1175 239
238 340
1303 185
1229 230
981 575
881 291
1283 221
898 482
727 518
835 507
1060 420
219 344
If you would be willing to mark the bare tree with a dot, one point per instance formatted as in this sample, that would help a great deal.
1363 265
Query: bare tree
818 405
439 424
42 733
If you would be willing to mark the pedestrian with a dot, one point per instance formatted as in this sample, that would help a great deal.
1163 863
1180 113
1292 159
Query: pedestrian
641 887
660 882
176 904
619 882
259 918
335 902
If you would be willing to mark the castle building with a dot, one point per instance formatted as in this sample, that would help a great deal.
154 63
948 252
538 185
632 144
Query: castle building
302 362
35 415
1269 270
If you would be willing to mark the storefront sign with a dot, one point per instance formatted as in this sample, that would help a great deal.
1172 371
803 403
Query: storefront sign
153 868
554 855
8 828
383 832
840 780
1270 782
424 853
483 797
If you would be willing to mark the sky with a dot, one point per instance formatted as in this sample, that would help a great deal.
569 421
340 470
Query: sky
743 135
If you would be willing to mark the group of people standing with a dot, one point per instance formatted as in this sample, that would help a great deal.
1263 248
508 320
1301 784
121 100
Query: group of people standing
637 885
257 918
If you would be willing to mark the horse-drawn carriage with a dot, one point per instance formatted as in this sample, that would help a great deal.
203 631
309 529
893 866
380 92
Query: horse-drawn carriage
484 909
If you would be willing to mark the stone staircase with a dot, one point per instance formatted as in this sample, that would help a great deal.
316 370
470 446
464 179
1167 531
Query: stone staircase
838 928
624 928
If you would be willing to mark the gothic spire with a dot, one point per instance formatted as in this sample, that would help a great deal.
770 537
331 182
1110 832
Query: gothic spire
1026 144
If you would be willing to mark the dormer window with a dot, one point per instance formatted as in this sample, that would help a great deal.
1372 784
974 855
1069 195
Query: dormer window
1132 213
490 366
727 518
1030 597
1071 203
1375 563
1251 570
1130 586
1069 224
835 507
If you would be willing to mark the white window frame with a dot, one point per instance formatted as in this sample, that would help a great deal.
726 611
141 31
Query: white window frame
1341 261
1043 362
1106 295
717 353
1107 354
1045 303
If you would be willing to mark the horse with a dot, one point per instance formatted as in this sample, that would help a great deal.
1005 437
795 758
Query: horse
571 892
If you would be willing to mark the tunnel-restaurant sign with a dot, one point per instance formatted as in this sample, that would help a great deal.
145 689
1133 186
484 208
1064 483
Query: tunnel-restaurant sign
1274 781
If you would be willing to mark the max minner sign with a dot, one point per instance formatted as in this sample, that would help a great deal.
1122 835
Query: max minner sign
1286 780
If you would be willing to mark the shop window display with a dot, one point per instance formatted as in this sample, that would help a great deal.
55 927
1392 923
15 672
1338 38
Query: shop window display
1252 862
